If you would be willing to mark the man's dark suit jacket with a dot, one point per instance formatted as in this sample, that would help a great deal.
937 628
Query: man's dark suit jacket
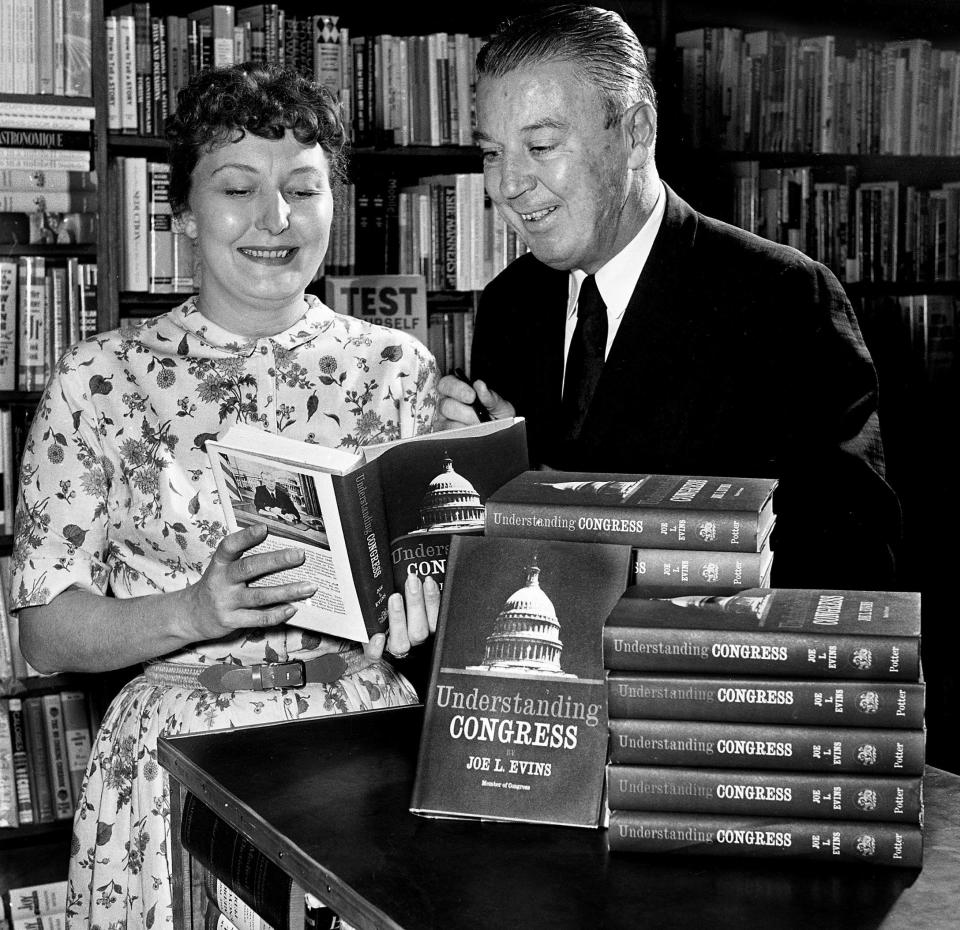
735 356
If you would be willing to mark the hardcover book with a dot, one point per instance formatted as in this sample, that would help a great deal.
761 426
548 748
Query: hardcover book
398 301
365 520
829 841
228 856
668 572
647 511
636 741
515 725
898 704
770 632
891 798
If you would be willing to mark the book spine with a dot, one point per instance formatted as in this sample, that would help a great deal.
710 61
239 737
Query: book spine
646 527
50 201
891 798
45 181
224 902
8 776
54 139
831 841
44 159
40 788
767 700
360 503
761 652
666 572
759 746
160 232
41 900
31 341
230 857
8 325
135 195
77 736
57 757
21 764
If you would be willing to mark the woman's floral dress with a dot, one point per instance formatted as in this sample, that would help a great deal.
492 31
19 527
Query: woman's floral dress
116 493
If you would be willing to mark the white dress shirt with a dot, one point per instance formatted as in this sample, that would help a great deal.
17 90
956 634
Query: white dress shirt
617 279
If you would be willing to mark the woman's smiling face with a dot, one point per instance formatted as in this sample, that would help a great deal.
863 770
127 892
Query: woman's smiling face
260 213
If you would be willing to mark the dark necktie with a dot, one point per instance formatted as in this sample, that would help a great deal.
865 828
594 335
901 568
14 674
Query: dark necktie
585 357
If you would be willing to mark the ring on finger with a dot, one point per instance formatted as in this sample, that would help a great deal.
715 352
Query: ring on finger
399 655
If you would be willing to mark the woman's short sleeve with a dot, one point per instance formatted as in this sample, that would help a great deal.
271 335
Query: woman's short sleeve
61 530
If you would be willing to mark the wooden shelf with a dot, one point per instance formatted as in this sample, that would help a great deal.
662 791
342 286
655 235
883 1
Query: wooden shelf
50 251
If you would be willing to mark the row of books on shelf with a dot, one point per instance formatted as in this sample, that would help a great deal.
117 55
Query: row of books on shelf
46 305
35 907
45 47
45 743
766 90
396 90
36 136
862 230
443 228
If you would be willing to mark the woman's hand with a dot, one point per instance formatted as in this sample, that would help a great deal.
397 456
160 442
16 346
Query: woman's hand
223 601
410 624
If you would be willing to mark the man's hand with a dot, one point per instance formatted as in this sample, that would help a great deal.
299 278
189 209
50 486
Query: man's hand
456 397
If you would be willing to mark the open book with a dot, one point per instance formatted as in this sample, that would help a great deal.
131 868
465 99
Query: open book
365 520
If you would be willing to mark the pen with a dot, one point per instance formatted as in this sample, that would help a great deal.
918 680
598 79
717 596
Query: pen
478 407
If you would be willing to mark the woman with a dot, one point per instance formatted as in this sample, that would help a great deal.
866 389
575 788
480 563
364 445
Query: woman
117 494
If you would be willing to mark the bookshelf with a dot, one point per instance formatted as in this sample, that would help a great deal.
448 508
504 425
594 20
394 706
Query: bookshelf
913 408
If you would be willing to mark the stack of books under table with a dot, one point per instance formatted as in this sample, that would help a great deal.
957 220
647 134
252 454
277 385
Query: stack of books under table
774 722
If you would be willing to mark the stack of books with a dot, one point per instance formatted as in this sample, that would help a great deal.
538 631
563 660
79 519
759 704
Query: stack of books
36 907
776 722
690 534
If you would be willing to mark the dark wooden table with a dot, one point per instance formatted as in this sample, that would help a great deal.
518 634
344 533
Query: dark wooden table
327 801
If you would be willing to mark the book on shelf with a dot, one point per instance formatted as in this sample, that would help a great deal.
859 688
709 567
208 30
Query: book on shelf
226 910
41 922
394 301
770 632
786 793
829 841
40 900
228 857
8 323
26 809
43 158
818 702
60 790
32 329
27 201
8 775
159 229
133 181
649 511
515 725
41 789
711 572
364 519
824 748
77 737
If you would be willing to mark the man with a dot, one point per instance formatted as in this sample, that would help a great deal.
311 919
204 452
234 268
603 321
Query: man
702 349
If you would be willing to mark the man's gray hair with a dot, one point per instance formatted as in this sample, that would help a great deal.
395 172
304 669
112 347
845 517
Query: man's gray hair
605 50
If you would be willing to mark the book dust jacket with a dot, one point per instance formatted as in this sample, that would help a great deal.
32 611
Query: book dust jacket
435 487
515 726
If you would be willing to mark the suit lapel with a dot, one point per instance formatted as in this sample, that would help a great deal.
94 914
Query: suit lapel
642 373
548 301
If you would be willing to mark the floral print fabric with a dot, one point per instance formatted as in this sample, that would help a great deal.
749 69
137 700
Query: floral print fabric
116 496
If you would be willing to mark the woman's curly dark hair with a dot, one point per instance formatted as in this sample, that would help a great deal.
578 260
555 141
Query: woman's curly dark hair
221 105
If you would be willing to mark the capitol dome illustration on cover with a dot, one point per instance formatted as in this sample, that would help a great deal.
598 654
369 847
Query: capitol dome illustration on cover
526 634
450 503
